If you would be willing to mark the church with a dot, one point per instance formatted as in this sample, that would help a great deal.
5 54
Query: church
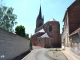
46 35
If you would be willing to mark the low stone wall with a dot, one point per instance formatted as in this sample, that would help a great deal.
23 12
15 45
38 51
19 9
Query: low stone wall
71 52
12 45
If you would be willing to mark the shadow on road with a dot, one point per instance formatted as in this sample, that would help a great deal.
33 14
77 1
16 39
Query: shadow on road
21 56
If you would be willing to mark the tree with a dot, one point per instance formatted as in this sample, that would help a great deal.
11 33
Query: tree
26 35
20 30
7 18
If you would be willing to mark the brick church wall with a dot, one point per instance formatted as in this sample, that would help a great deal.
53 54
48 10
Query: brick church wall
34 38
41 42
55 33
47 42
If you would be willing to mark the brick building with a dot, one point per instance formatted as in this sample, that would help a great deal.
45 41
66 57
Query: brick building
70 36
48 34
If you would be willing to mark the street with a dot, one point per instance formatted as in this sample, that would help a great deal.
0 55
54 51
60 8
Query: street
37 54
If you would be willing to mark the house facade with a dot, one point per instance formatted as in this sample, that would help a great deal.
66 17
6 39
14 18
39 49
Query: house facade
70 37
65 31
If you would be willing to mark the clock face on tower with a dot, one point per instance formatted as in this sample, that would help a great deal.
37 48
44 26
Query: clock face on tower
40 24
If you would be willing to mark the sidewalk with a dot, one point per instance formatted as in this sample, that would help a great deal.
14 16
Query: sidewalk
61 56
68 55
56 54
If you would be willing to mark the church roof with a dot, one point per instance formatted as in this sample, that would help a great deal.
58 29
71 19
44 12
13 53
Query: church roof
52 19
42 30
45 35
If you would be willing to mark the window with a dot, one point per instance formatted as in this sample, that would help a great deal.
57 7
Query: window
50 28
40 24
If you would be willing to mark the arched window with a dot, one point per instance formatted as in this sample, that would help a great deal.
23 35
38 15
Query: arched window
50 28
40 24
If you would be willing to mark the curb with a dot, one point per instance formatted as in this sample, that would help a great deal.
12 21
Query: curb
49 55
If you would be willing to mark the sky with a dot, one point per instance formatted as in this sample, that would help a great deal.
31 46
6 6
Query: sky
28 10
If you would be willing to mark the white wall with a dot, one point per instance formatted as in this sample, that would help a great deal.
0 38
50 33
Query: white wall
12 45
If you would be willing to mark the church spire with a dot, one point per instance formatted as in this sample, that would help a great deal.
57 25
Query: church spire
40 14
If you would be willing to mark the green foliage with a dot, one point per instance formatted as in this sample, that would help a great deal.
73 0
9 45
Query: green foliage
20 30
27 36
7 18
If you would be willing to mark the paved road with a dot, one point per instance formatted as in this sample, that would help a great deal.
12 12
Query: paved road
37 54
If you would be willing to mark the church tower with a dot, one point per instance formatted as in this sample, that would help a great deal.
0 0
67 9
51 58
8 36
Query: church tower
77 0
40 19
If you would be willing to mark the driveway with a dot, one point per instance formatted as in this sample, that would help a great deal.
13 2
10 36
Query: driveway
37 54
